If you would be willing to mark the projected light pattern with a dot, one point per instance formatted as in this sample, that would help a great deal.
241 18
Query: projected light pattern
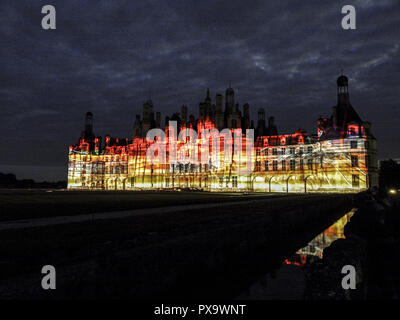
341 157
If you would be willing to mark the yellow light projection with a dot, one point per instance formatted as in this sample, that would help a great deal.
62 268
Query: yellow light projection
295 163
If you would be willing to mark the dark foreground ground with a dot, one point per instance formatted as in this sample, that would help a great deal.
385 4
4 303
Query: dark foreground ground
213 253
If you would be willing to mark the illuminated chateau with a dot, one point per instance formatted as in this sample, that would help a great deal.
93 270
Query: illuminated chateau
340 157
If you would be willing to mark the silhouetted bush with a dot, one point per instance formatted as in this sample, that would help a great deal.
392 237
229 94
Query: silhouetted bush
389 174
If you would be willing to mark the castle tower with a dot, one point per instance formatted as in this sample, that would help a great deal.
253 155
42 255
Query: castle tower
184 110
218 103
343 113
205 108
272 128
158 119
261 122
137 127
233 118
88 134
208 106
208 99
246 116
229 100
148 117
219 114
147 110
202 111
343 90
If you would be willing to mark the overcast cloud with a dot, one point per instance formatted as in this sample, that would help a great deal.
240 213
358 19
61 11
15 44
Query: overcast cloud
105 56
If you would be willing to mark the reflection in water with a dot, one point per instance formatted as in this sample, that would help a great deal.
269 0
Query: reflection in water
289 282
314 249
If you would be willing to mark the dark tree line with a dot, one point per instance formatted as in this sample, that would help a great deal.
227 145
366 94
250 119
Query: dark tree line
9 180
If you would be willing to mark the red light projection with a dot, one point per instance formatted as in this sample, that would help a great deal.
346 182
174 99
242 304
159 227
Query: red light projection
340 157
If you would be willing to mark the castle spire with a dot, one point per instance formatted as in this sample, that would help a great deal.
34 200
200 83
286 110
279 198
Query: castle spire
208 99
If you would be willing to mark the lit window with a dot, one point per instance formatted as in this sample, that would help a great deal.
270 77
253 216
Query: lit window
355 181
354 161
234 182
309 164
292 165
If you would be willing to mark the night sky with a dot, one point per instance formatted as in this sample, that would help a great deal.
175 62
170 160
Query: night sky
105 56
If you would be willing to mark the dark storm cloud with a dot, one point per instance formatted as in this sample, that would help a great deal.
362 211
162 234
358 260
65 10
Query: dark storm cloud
105 56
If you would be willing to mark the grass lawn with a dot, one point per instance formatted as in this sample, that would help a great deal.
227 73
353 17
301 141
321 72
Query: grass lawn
23 204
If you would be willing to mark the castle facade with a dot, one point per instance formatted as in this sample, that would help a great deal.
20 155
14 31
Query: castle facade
340 157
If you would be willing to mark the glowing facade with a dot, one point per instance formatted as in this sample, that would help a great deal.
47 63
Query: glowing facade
340 157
